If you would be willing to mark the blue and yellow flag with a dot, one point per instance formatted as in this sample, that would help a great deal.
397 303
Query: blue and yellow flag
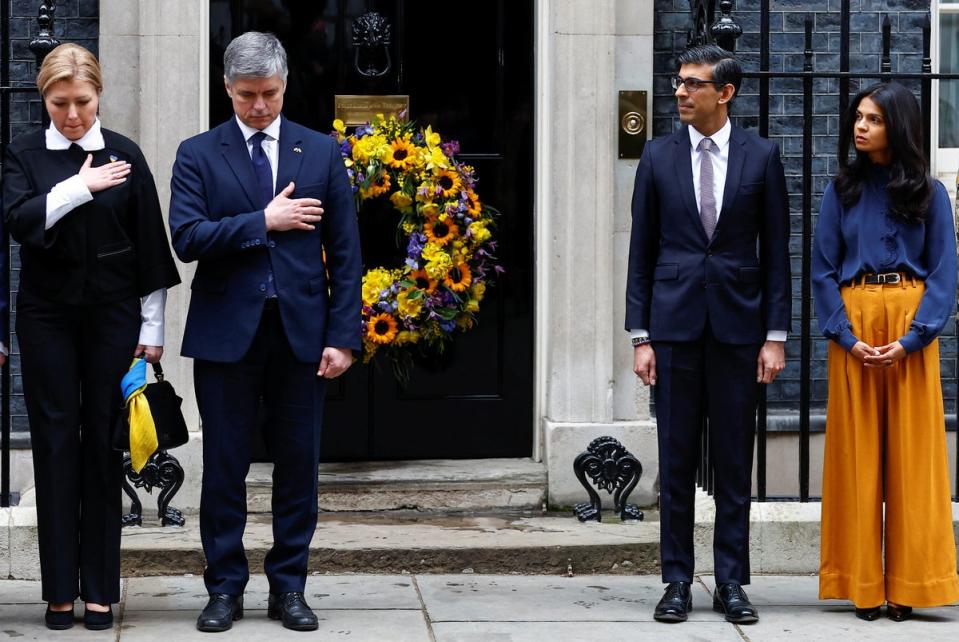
143 432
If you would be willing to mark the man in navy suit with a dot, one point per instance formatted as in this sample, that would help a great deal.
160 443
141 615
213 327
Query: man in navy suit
708 308
275 311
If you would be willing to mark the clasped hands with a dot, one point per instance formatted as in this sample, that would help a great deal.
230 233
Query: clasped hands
878 356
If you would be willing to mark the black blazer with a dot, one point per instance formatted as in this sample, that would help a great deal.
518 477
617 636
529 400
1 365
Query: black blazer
111 248
678 280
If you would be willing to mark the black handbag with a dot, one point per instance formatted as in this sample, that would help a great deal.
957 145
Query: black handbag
167 416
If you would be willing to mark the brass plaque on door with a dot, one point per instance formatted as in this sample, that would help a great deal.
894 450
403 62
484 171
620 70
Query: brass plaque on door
633 124
359 110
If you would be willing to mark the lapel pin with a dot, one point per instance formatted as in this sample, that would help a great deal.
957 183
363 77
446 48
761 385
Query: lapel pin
297 150
113 158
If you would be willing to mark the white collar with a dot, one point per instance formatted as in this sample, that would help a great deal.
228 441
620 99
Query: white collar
272 130
720 138
89 142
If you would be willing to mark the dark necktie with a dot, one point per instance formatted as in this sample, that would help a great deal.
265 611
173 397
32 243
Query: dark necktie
707 196
262 169
264 187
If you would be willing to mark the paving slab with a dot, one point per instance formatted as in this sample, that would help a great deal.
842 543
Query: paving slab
337 592
781 590
479 598
831 621
580 631
355 626
24 622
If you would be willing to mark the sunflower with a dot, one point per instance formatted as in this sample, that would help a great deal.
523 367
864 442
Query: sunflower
459 278
424 281
440 232
379 185
449 182
473 206
402 154
381 328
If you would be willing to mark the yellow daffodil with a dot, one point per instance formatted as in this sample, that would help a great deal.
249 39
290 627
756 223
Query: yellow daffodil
432 138
401 200
339 126
408 307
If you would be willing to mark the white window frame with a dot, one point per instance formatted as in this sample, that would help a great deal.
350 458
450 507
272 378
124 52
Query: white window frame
945 159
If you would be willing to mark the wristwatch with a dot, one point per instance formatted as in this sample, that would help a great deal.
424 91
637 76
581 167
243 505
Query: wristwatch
641 341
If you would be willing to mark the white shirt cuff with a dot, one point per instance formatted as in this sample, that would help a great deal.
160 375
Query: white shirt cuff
776 335
3 349
152 308
638 334
64 198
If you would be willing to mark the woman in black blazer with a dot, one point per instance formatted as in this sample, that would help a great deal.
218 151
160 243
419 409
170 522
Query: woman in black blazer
95 265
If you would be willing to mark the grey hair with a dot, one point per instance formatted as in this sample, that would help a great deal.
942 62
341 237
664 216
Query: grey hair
254 54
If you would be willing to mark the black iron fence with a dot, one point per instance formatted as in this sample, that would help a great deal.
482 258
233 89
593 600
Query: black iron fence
725 31
40 46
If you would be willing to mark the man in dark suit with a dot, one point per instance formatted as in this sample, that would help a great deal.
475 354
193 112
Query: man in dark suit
708 308
275 311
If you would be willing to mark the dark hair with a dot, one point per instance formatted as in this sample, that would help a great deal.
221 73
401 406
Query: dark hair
910 186
726 67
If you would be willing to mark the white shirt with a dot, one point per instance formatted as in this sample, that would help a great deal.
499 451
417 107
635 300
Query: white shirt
720 160
70 194
270 144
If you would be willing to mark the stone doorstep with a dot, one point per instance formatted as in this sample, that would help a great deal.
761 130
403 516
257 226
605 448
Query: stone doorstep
784 539
469 485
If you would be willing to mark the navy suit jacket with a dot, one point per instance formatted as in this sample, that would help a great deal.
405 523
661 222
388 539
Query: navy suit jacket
215 219
738 282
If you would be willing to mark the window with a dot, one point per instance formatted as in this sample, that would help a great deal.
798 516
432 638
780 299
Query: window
947 57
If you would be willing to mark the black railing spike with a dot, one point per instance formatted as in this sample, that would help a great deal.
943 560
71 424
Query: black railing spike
886 64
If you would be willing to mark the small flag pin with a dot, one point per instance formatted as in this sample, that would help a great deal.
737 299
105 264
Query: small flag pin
113 158
297 150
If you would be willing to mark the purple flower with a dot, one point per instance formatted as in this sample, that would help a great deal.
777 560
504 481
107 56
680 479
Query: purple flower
448 326
451 148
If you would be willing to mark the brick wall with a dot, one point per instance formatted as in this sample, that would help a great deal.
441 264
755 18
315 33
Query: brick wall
75 21
786 42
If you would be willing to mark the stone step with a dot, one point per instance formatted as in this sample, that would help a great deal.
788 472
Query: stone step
525 543
463 485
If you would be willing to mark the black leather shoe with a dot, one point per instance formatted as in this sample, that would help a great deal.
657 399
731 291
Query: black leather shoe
98 620
58 620
869 615
293 610
220 613
730 599
676 604
898 613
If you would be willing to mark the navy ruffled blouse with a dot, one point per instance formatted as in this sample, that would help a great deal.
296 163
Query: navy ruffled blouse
868 238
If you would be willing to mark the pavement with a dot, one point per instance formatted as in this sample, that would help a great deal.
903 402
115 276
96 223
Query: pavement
469 607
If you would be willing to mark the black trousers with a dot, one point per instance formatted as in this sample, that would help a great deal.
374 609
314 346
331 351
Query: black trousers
700 379
72 360
228 396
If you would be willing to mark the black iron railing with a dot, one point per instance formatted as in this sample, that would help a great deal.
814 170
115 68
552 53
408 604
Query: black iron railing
40 46
725 36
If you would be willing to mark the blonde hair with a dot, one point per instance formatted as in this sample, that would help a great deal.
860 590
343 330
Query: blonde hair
69 61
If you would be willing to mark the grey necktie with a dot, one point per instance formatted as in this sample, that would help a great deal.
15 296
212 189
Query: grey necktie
707 196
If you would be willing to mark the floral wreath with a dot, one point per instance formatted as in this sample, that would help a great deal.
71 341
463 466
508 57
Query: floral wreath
446 228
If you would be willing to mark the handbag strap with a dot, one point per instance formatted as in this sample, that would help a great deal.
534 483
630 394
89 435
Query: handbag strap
158 371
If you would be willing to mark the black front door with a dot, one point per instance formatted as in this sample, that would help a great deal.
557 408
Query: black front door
467 68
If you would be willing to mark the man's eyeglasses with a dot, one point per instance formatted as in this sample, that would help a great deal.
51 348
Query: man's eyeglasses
692 84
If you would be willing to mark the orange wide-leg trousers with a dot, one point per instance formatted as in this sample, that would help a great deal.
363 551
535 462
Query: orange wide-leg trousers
885 441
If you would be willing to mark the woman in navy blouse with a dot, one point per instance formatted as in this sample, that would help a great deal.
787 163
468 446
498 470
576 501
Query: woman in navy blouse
884 278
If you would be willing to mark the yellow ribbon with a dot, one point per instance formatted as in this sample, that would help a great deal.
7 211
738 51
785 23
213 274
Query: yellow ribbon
143 432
